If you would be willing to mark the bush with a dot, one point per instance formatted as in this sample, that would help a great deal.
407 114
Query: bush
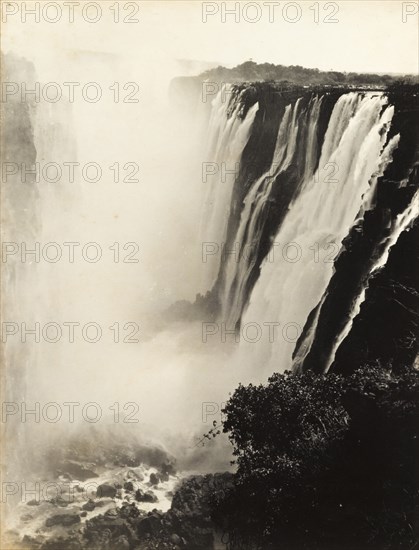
323 462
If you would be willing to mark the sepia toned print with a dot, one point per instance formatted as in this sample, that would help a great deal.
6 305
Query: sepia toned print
209 255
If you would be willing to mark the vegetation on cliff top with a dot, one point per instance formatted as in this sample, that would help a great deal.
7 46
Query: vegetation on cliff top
296 75
324 462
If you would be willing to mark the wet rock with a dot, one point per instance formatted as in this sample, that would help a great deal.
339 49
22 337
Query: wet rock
89 506
128 486
59 501
148 496
63 519
129 511
111 514
164 476
106 490
154 479
131 474
101 503
83 514
77 470
33 502
166 469
26 517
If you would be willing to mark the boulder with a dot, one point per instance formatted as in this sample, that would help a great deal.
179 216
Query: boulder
128 486
148 496
154 479
59 502
106 490
78 470
131 474
89 506
63 519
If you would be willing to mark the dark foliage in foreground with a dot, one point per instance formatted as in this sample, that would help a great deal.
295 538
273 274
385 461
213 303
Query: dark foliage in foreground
324 462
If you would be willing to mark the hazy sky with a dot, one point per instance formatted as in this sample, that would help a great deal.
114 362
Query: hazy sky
367 35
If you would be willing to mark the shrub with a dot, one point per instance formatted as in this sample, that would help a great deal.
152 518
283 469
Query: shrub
323 462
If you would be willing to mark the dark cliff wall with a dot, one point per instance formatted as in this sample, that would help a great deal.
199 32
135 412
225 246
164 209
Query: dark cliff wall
386 328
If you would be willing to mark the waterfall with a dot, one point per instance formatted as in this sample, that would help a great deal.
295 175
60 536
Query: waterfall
304 347
285 222
320 217
229 133
253 217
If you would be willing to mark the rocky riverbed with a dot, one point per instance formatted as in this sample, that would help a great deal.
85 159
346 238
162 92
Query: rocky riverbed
135 501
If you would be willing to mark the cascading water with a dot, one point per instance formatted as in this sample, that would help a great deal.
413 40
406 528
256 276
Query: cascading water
254 212
323 213
321 210
228 135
